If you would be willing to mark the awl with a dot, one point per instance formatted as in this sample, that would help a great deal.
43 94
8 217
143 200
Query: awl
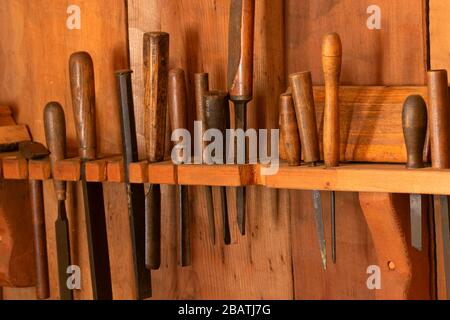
302 93
414 121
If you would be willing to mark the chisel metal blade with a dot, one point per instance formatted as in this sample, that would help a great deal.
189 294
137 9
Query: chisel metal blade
415 203
317 202
442 213
63 251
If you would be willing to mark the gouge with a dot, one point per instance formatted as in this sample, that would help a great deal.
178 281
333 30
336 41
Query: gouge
331 62
31 151
240 77
135 192
439 115
201 82
83 100
177 103
55 135
414 121
289 131
156 61
217 117
302 93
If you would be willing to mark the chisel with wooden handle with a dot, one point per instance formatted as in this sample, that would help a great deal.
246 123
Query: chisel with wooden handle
83 101
156 69
55 135
135 192
177 103
414 119
332 62
302 93
439 115
289 136
201 83
240 77
217 117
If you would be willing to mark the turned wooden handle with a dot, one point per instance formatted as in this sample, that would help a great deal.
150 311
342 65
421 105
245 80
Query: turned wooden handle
83 102
415 122
216 110
177 99
332 61
156 64
289 130
439 118
201 84
40 239
55 135
240 49
303 96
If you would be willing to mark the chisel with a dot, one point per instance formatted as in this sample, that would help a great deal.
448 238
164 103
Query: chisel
439 115
332 62
177 103
156 69
289 131
135 192
201 83
240 78
34 151
217 117
415 122
83 101
55 135
302 93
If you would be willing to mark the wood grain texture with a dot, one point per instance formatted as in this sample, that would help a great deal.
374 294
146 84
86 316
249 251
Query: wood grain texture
367 54
40 68
439 40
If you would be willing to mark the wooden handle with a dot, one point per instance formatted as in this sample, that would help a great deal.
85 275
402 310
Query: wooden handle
40 242
55 134
439 118
201 83
289 130
302 94
216 110
240 49
177 99
156 64
83 102
415 130
332 61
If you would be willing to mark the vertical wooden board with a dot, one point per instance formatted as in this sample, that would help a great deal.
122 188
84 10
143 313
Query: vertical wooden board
392 55
439 38
439 17
34 59
259 264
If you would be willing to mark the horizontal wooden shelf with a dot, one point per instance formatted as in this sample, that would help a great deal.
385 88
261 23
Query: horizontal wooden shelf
389 178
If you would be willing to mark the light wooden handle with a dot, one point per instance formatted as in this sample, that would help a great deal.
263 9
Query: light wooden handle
439 118
289 130
332 61
156 64
240 49
83 102
55 134
177 99
302 94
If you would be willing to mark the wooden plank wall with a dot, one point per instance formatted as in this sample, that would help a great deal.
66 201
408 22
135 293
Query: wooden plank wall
278 259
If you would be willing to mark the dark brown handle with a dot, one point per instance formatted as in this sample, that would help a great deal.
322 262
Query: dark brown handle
201 83
83 102
439 118
216 110
289 130
303 96
240 49
177 99
332 61
55 134
40 242
414 121
156 64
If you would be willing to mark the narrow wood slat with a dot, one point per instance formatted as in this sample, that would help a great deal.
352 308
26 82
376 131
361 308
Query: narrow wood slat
67 170
115 170
15 168
138 172
39 169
